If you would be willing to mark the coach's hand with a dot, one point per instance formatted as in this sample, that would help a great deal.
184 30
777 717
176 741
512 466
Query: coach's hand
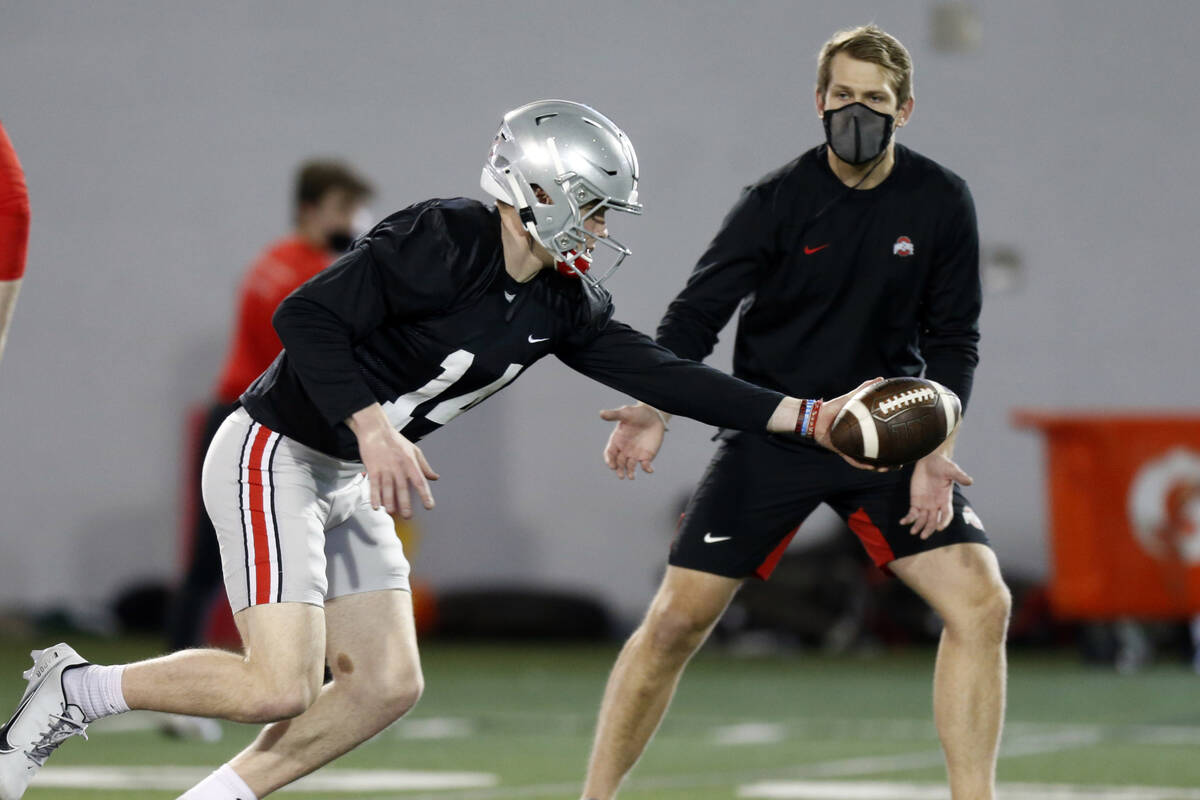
393 463
635 440
931 493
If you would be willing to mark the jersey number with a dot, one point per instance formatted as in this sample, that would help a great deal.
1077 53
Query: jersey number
454 366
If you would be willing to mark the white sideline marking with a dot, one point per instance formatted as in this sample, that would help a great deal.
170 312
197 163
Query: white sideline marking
750 733
1034 744
174 779
877 790
435 728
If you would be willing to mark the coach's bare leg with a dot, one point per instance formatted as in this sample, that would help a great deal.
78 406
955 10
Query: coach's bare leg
647 671
277 677
372 652
962 583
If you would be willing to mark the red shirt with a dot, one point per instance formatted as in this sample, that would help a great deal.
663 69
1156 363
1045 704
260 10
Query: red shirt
285 265
14 212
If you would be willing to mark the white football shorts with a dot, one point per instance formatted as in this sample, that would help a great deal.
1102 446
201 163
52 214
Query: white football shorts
294 525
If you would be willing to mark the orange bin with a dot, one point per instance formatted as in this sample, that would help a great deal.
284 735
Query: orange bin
1124 500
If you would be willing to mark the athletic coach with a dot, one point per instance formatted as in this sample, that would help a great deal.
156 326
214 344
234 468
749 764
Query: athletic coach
859 258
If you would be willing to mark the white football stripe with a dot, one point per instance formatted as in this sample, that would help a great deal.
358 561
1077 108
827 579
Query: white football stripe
866 424
949 412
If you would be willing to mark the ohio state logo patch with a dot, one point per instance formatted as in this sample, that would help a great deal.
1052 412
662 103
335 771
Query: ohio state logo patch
903 247
971 518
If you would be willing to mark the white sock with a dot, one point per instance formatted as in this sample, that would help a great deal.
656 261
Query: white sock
96 690
224 784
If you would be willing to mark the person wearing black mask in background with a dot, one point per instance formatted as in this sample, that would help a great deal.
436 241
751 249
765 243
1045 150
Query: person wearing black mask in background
859 258
328 212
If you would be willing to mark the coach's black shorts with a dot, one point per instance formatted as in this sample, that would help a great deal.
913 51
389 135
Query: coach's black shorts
759 488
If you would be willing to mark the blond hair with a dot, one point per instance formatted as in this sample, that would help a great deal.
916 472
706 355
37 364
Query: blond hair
872 44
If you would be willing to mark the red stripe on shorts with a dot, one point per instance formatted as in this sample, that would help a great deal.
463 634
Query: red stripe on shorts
765 569
871 537
258 518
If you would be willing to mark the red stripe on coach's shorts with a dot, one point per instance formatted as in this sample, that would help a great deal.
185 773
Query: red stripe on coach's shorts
765 569
258 518
872 538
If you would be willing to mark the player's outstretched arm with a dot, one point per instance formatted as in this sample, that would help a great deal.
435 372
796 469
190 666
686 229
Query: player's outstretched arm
393 463
638 434
628 361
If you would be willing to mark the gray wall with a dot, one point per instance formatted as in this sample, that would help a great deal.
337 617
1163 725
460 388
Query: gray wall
158 139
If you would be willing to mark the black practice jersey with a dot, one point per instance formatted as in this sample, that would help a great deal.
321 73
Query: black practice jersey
837 286
421 317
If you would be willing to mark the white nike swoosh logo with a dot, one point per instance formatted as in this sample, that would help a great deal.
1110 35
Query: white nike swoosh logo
535 341
710 539
5 747
510 297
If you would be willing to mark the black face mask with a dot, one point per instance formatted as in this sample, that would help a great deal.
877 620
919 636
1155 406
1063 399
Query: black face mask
857 134
339 241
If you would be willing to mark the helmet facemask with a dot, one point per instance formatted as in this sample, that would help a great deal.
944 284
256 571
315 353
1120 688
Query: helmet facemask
571 247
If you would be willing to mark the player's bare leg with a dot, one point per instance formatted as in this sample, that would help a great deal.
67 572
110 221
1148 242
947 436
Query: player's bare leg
962 583
278 676
643 680
372 653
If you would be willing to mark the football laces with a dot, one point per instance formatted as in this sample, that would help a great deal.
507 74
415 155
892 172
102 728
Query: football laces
905 399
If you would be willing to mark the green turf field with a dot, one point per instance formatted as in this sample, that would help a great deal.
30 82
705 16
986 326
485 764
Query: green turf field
518 721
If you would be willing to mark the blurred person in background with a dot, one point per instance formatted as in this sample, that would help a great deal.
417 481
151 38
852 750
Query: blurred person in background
327 212
14 232
859 258
438 307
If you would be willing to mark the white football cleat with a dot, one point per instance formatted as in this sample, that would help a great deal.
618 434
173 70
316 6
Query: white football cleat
42 721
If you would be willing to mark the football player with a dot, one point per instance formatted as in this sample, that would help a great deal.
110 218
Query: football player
858 258
438 307
329 196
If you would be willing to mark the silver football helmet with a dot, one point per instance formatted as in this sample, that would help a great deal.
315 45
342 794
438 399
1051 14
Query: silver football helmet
577 156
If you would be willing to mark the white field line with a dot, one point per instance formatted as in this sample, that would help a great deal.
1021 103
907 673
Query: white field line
173 779
434 728
868 729
842 767
482 786
747 733
854 790
1022 739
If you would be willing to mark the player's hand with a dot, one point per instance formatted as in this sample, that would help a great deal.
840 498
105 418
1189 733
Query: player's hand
635 440
931 494
393 464
828 413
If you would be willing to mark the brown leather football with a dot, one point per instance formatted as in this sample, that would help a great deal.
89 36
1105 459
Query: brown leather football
896 422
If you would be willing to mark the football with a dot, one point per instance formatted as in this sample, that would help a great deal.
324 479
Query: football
896 422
